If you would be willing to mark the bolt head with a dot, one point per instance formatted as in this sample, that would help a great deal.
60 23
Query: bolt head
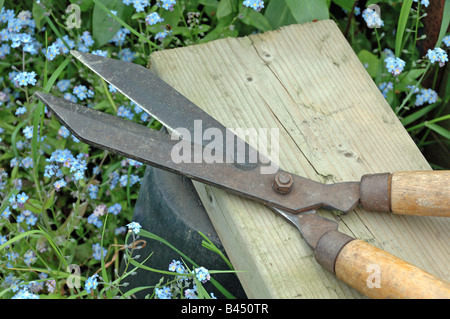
283 182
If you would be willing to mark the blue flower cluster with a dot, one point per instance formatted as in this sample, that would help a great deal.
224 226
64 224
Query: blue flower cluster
82 92
426 96
18 202
65 168
64 158
25 78
163 293
153 18
93 191
177 266
115 209
134 227
26 162
98 251
385 87
64 44
27 216
162 35
394 65
139 5
437 55
119 38
167 4
372 18
94 218
19 31
25 293
29 257
257 5
91 283
127 55
426 3
446 40
202 274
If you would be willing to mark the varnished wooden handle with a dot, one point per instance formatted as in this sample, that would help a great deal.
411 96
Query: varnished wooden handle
380 275
425 193
421 193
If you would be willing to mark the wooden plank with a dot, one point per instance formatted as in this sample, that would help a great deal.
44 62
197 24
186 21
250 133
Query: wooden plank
334 126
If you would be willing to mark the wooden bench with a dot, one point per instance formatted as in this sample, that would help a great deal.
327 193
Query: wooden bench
334 126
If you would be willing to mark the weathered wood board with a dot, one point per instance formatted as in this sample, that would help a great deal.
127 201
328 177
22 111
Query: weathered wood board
334 126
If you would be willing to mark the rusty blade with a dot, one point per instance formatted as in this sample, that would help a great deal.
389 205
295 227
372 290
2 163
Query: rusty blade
172 109
156 148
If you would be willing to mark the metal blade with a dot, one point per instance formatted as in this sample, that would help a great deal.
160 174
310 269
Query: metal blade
167 105
148 91
156 148
310 225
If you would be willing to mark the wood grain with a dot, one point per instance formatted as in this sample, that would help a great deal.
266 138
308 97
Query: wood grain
334 126
380 275
421 193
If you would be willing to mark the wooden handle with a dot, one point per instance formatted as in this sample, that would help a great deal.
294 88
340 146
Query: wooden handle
380 275
421 193
425 193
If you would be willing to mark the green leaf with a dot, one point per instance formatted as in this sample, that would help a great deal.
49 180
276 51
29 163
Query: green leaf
438 129
278 14
104 27
210 3
412 75
256 19
401 26
371 60
222 30
172 17
85 5
225 8
345 4
308 10
38 15
33 205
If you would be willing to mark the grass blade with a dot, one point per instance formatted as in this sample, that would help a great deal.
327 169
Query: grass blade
445 22
418 114
401 26
439 129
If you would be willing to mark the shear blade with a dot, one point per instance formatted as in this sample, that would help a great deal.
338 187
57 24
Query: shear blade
177 113
156 148
172 109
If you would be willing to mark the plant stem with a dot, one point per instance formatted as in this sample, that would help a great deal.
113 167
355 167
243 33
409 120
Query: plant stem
108 95
412 91
415 32
378 41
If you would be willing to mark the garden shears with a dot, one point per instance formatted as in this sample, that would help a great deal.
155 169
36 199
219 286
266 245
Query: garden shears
235 166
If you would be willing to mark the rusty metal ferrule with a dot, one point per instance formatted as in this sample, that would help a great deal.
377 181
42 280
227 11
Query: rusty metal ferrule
375 192
328 248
